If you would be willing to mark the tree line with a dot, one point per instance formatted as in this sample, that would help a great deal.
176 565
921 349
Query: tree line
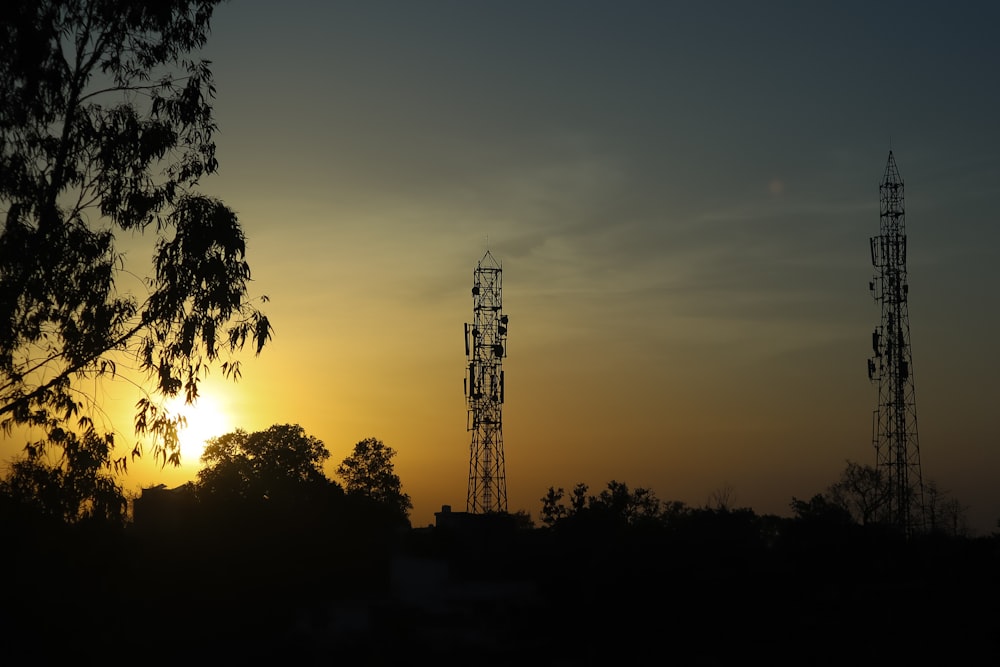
262 541
858 498
281 466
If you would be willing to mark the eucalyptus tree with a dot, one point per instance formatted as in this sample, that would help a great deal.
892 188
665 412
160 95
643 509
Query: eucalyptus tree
106 130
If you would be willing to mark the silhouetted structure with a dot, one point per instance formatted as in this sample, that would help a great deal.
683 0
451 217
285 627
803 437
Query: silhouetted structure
485 347
161 507
897 449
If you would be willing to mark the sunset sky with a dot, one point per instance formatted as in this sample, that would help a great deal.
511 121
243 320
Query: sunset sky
681 196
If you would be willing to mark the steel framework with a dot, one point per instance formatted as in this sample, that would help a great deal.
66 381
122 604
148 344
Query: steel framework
486 347
897 450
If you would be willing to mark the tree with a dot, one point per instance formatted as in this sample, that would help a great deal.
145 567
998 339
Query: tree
861 489
106 128
616 503
553 509
578 500
945 514
821 509
631 506
369 472
672 512
523 520
77 487
722 499
280 465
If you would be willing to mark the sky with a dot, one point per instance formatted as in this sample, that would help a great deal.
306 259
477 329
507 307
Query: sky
681 197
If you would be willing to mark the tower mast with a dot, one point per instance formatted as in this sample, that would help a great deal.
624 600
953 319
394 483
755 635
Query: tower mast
897 450
486 347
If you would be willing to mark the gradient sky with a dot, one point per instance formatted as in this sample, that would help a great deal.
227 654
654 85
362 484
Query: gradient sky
681 195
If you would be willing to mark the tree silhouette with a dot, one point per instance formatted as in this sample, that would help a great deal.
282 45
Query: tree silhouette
106 127
861 490
369 472
945 514
615 503
278 465
821 508
77 487
722 498
633 506
553 509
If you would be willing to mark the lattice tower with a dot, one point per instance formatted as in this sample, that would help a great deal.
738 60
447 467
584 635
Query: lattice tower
486 347
897 450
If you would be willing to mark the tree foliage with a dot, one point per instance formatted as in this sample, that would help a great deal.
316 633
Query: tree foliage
821 508
369 472
77 487
279 464
106 128
616 503
553 509
861 495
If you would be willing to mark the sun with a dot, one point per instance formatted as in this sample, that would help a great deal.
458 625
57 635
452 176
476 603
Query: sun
206 418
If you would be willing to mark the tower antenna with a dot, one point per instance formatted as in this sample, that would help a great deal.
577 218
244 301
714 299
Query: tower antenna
486 347
897 450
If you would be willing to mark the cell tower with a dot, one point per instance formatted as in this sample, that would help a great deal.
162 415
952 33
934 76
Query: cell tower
485 347
897 450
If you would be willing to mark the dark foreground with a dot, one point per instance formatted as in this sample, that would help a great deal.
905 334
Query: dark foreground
726 592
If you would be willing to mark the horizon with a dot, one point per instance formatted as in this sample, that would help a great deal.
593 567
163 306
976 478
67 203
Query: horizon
681 198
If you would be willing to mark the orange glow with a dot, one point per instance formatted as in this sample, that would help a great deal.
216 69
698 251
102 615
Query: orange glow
206 418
